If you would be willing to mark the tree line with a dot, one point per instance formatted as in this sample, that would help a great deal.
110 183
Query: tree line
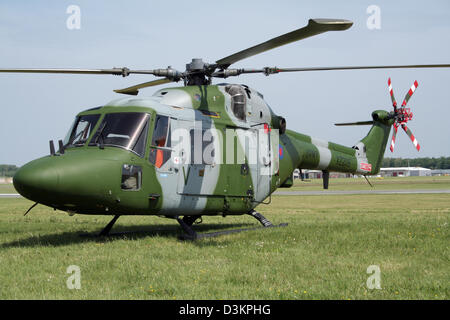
7 170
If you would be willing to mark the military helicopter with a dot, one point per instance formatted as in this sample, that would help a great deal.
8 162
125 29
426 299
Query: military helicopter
199 149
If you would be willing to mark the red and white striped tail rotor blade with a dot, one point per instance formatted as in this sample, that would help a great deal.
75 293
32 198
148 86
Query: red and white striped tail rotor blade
394 134
391 92
411 136
410 93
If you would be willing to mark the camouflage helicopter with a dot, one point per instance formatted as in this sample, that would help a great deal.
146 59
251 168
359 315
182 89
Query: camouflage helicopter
199 149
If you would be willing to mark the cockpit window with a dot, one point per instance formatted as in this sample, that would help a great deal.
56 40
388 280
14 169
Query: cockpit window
160 149
81 130
126 130
238 100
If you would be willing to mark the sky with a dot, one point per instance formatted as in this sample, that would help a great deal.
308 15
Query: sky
136 34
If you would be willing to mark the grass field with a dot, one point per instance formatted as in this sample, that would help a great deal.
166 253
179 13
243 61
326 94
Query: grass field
323 253
7 188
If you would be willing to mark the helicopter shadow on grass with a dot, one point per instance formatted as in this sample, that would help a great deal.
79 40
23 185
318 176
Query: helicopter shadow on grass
123 232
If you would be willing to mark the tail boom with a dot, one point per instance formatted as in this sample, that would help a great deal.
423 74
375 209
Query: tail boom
305 152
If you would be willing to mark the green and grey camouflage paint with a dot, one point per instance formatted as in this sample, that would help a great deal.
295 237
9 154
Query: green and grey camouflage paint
87 179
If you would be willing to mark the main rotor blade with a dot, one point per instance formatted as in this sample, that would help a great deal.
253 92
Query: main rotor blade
273 70
134 90
359 123
114 71
277 70
314 27
124 72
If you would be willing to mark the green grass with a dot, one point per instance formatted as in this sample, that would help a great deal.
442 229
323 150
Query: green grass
323 253
7 188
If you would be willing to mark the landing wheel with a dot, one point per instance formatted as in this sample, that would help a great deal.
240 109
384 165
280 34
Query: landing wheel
189 220
186 224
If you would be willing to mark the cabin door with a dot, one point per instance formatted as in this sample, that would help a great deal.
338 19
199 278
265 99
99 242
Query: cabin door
197 154
266 166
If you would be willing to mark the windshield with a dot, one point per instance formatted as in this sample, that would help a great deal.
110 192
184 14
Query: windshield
81 130
126 130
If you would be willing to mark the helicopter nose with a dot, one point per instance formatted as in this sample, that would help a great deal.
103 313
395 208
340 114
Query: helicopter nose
36 180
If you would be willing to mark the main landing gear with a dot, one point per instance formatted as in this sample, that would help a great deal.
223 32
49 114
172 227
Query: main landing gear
190 234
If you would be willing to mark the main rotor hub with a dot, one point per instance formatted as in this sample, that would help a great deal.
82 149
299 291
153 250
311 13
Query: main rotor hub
198 73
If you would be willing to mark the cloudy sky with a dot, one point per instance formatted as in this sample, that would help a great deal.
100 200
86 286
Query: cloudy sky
155 34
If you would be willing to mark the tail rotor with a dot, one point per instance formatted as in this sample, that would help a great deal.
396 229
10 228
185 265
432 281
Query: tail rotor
402 115
394 134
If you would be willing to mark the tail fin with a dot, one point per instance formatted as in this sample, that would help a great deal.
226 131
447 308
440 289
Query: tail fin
376 140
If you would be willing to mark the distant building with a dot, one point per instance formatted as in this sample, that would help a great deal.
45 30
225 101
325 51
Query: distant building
405 172
313 174
4 180
440 172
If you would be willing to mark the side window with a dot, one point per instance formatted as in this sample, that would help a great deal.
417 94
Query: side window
160 148
238 100
131 177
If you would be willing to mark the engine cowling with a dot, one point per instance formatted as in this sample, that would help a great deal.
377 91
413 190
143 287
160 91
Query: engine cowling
280 124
